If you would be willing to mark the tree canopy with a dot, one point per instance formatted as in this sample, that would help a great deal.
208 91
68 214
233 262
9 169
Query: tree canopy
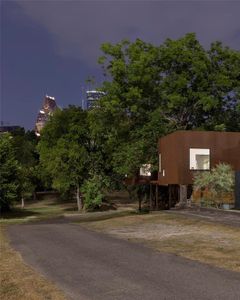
9 173
149 91
64 149
153 90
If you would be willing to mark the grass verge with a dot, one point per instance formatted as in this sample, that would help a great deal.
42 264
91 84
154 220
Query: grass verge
17 280
20 282
38 210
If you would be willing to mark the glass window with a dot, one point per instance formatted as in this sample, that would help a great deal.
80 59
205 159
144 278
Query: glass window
145 170
199 159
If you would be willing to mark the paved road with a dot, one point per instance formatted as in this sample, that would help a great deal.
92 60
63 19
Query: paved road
90 265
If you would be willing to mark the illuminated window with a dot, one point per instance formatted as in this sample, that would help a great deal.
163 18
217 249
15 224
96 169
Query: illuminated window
199 159
145 170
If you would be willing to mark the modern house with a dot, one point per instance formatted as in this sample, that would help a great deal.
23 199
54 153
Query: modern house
183 153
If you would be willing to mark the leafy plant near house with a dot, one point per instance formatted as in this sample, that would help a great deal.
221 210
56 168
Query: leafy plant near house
216 186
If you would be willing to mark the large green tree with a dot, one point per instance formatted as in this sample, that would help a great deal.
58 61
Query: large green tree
153 90
24 144
64 150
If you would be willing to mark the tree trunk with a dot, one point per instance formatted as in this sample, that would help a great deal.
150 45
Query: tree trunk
22 205
139 204
79 199
150 197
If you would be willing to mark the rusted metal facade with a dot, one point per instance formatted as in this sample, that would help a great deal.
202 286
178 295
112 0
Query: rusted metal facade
174 149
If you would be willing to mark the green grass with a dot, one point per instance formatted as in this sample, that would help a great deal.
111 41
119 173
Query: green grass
38 210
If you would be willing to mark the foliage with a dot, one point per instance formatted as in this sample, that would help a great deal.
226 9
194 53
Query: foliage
219 181
153 90
24 144
93 191
9 171
64 148
150 91
220 178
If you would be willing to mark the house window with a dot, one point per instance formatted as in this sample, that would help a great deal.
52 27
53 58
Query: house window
145 170
199 159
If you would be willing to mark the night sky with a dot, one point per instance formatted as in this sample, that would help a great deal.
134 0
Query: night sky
51 47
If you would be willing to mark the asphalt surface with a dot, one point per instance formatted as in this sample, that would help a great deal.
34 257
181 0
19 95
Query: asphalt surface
90 265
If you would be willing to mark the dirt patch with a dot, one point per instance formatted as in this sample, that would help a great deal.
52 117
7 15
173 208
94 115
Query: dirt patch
184 235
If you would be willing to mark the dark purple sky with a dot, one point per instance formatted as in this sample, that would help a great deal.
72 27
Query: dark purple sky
51 47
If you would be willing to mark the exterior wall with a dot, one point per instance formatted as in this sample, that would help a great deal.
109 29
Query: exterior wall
174 148
169 147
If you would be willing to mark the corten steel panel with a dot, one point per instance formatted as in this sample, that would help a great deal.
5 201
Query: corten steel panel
224 147
170 159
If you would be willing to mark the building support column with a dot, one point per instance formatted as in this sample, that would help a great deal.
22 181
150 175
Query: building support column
150 200
157 206
169 196
183 195
237 190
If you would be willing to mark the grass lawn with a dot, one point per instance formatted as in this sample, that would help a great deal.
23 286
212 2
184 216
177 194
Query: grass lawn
187 236
38 210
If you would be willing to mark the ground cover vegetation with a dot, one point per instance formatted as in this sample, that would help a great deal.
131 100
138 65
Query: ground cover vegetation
215 187
149 91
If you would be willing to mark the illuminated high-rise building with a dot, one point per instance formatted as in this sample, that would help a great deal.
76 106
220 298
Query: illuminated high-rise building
48 107
92 97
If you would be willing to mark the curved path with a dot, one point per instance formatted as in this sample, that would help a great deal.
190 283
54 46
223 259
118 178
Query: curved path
90 265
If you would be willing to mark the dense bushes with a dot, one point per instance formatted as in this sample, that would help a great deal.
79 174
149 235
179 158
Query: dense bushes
9 173
215 187
93 191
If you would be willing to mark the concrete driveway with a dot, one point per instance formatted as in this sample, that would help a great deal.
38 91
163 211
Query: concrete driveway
90 265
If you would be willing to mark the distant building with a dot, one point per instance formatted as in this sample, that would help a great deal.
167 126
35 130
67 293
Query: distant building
8 128
92 97
48 107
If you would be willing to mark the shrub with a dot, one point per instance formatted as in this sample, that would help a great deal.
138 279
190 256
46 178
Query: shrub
92 190
214 185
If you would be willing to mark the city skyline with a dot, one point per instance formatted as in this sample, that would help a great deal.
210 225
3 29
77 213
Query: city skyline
52 47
